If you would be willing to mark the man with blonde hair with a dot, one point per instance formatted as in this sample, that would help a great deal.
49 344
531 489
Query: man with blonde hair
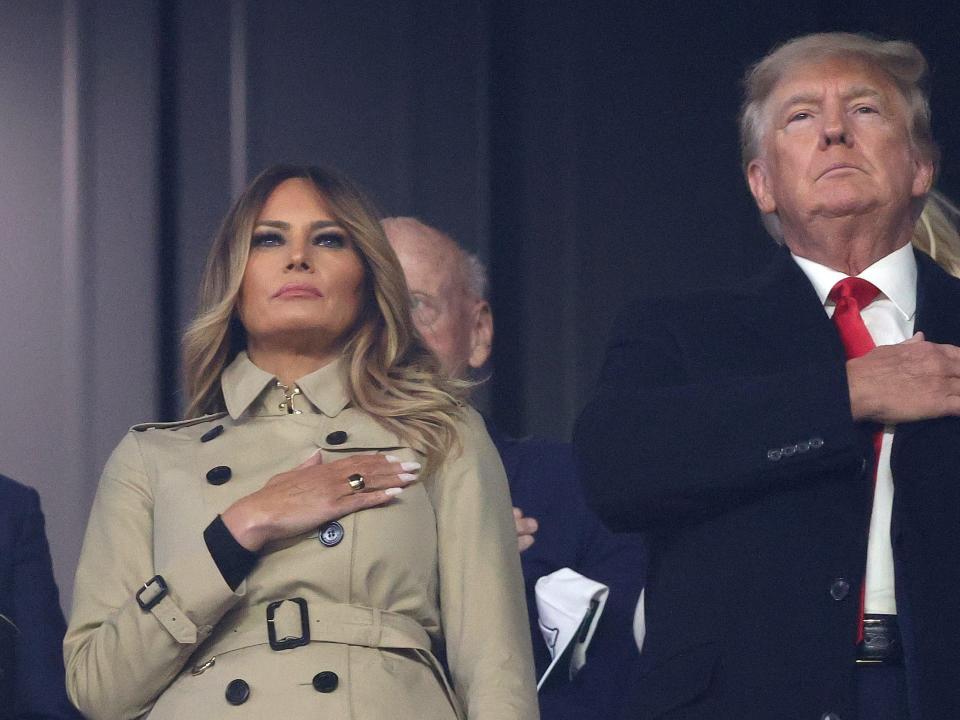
567 555
794 441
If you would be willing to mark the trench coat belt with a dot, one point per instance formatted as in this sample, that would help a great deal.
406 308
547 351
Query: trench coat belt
334 623
328 622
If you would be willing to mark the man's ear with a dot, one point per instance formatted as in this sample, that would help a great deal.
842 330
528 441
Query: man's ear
923 178
759 181
481 334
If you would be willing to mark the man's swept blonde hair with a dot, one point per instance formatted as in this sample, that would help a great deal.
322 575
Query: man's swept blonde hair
901 61
390 373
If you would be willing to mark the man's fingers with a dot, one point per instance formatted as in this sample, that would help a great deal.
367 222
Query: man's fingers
915 380
526 525
524 542
952 352
953 388
943 361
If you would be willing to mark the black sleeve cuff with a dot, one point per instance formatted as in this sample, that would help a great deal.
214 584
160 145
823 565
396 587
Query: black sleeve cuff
234 561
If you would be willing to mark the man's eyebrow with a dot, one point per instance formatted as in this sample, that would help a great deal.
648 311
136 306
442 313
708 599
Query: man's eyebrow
801 98
861 91
815 98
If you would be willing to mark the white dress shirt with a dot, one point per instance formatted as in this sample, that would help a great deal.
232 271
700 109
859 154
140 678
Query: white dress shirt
890 320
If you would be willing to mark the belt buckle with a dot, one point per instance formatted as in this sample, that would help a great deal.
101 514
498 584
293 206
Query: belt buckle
287 642
155 590
881 644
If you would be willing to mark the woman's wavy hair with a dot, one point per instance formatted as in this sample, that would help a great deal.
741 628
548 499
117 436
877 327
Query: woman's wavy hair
901 61
936 232
390 373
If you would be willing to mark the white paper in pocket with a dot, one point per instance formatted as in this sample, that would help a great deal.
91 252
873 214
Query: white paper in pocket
569 607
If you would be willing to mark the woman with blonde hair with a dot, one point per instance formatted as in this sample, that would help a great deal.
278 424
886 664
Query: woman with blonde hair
936 232
335 519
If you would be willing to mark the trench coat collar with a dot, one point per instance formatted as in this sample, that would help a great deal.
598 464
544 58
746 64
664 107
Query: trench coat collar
247 389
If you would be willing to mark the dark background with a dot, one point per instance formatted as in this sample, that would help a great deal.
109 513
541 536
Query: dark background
586 150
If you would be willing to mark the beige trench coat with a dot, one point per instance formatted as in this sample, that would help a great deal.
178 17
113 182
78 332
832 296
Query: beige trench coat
435 568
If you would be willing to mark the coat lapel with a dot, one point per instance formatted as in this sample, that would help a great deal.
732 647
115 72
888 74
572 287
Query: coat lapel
938 317
790 314
938 302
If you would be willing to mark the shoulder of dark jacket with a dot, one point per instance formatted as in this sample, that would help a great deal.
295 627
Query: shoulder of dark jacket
690 301
16 493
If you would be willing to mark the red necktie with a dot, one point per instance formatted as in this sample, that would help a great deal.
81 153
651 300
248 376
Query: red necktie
851 296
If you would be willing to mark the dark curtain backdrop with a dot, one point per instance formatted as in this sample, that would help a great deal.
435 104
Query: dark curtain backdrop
587 150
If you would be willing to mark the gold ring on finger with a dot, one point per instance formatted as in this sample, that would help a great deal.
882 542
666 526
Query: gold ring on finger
356 482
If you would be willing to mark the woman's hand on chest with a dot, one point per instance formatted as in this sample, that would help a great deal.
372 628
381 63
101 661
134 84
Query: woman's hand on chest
314 493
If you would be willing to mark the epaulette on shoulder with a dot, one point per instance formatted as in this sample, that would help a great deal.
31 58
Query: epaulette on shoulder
176 425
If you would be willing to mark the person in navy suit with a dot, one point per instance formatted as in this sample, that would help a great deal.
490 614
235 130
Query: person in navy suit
555 528
794 438
31 622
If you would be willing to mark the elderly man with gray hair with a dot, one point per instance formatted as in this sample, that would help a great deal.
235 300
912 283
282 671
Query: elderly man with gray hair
794 440
582 581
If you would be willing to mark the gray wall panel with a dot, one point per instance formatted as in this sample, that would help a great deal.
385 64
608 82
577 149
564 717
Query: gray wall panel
35 443
77 256
121 154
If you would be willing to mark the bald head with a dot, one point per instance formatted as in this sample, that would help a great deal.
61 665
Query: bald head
448 305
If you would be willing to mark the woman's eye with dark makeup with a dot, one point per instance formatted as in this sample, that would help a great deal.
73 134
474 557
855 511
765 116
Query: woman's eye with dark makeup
330 240
266 239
